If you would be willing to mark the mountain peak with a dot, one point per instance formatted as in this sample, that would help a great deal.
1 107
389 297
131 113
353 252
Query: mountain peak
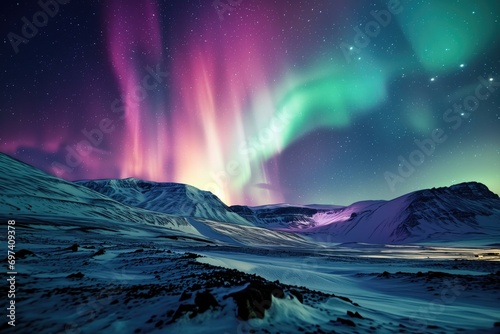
470 190
473 188
166 197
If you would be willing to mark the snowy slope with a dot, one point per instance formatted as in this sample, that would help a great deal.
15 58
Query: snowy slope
276 216
43 201
285 215
171 198
460 212
30 195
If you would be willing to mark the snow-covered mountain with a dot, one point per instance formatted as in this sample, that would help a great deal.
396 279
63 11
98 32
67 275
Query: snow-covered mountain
285 215
460 212
30 195
165 197
33 197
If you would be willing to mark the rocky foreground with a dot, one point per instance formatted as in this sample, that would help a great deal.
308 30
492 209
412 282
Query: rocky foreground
73 280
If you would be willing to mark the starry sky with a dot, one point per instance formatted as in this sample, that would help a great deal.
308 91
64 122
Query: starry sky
257 101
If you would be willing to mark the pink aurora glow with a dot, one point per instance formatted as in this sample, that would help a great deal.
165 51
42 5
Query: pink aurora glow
214 86
133 32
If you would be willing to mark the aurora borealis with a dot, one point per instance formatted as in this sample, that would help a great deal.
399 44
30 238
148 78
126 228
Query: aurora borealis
258 101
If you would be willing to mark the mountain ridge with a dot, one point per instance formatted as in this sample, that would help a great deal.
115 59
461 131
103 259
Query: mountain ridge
38 200
459 212
411 217
166 197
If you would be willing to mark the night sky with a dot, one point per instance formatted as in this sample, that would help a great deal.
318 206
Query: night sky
258 101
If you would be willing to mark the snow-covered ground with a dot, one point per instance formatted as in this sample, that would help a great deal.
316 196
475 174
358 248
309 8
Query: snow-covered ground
427 285
143 283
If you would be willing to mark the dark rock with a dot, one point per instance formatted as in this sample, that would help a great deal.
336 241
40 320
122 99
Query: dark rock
73 248
185 296
496 324
184 309
346 322
253 300
188 255
78 275
298 295
139 250
385 274
354 315
23 253
345 299
100 252
205 300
